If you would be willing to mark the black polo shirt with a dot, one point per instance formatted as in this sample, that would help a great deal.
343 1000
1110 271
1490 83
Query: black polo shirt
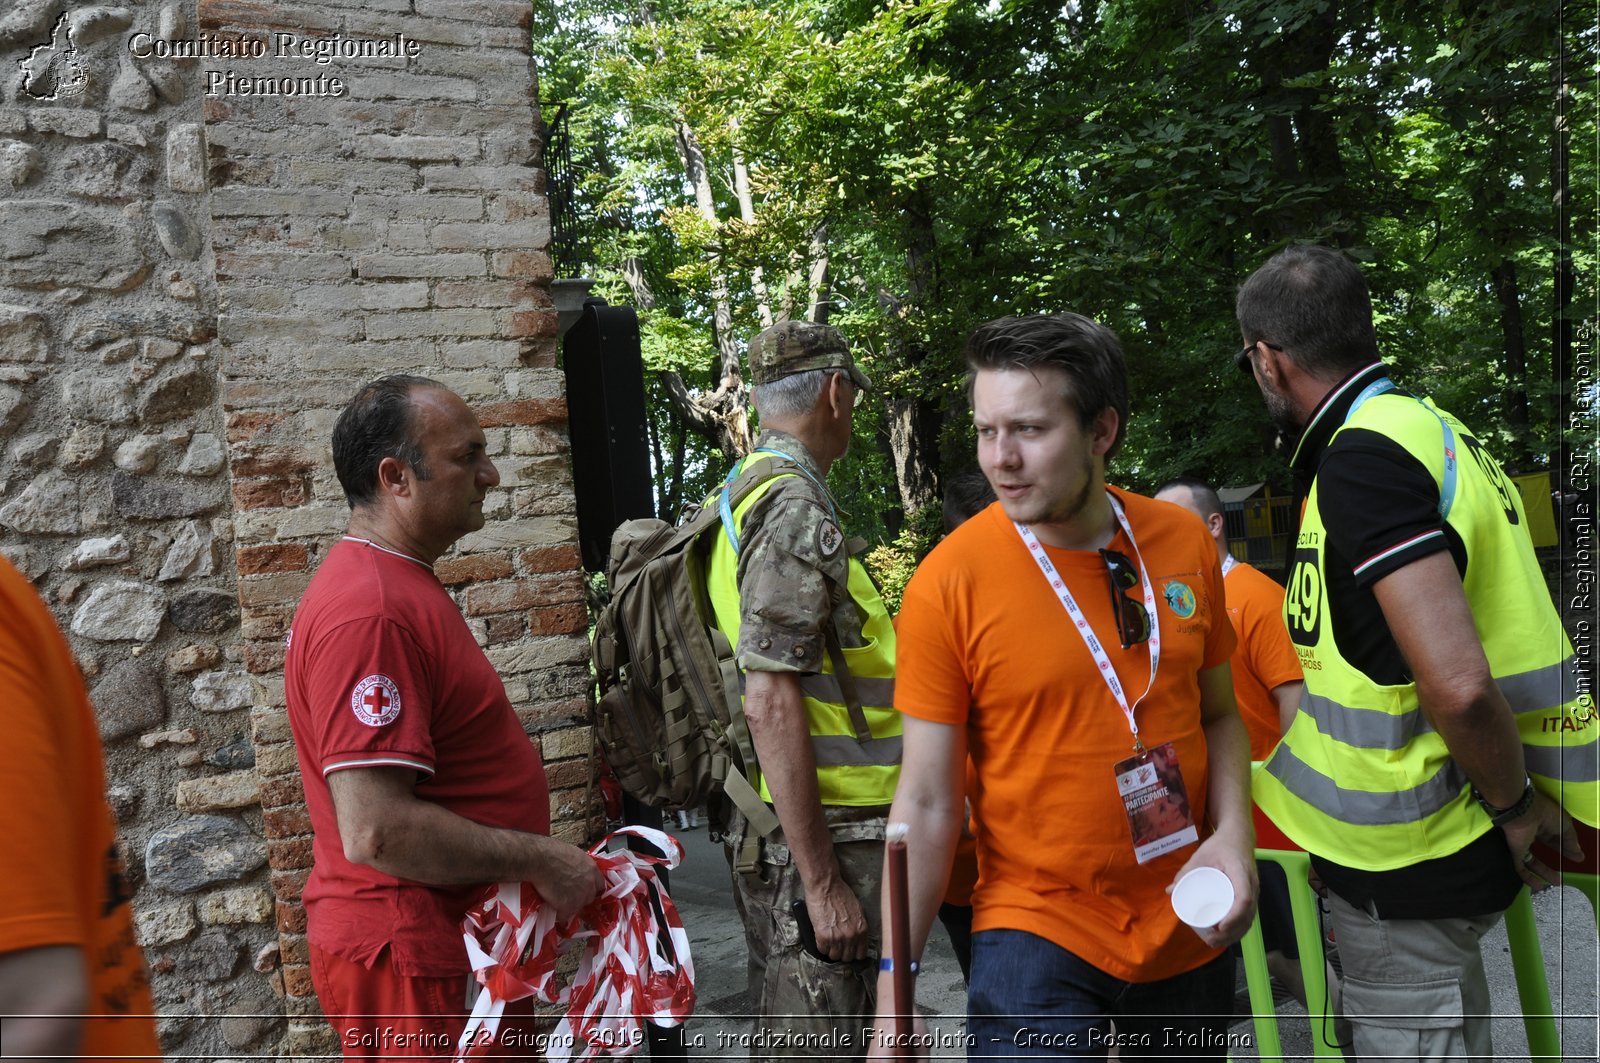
1380 508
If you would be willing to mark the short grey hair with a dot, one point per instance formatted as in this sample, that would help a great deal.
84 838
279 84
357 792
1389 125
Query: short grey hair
791 396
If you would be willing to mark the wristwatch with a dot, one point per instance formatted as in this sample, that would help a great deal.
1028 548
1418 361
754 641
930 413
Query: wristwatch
1501 816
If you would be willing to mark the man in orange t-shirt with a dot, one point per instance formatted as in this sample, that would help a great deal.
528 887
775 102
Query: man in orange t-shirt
1073 639
72 977
1267 682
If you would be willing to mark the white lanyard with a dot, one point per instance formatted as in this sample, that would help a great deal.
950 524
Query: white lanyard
1227 564
1097 651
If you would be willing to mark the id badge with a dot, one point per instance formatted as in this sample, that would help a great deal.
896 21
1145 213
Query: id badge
1152 792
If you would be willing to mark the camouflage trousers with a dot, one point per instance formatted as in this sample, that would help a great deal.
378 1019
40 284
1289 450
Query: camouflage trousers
806 1008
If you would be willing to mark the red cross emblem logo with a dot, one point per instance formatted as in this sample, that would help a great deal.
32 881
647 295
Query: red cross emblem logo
375 700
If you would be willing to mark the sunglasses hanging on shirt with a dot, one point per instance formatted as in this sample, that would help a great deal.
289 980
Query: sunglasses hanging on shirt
1133 623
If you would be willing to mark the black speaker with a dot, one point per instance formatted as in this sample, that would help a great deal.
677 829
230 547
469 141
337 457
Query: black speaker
605 415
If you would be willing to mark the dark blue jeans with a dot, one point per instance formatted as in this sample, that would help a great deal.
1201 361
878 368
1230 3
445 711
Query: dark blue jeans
1030 999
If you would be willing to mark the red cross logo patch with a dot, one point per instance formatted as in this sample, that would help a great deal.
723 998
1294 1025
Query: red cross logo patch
375 700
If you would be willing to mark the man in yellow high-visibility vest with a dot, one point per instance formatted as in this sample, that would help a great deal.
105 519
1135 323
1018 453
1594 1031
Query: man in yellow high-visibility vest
1421 767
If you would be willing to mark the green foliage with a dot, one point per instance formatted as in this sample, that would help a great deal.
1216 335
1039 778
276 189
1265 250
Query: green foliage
1131 160
892 564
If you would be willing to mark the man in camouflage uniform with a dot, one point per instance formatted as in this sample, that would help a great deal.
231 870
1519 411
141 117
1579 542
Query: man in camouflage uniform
795 605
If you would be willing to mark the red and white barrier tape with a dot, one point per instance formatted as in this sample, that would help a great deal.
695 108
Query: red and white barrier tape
625 976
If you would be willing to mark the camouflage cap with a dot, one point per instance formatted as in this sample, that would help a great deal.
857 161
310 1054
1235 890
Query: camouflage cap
791 347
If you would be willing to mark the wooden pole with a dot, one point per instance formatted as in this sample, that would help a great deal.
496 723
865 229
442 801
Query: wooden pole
899 939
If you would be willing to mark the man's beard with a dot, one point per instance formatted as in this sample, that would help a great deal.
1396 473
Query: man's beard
1285 420
1043 513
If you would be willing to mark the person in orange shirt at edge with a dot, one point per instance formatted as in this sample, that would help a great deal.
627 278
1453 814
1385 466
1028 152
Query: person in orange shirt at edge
1267 684
73 983
1073 637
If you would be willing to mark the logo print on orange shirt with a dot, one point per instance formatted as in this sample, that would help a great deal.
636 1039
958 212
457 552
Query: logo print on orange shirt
375 700
1179 598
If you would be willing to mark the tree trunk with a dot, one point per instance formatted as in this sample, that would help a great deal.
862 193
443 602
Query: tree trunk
1516 357
657 462
914 475
747 214
644 297
719 416
1301 136
913 421
818 281
694 168
671 504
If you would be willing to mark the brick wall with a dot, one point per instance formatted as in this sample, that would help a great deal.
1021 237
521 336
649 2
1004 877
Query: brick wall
194 282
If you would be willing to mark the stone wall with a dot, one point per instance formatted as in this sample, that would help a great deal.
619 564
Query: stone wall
192 281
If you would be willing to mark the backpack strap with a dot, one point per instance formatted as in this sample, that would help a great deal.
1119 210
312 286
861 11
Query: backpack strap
734 491
847 687
726 501
761 821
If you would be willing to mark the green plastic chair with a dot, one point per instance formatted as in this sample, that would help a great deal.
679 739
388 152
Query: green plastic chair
1527 961
1313 968
1584 874
1527 957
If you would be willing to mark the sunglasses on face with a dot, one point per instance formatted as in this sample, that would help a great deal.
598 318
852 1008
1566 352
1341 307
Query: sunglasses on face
1133 623
1241 361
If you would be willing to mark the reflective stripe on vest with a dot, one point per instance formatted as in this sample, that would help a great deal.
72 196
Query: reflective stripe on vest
1364 808
849 771
1362 754
1536 691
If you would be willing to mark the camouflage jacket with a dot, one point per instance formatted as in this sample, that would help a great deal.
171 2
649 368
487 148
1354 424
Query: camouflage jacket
793 572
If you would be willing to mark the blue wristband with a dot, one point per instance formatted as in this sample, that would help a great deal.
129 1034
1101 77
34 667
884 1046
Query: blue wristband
887 964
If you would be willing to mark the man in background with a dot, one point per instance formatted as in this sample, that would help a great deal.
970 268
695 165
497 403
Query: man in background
1267 685
73 982
1266 673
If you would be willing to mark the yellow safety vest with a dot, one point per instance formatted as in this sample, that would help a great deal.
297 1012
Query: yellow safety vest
1361 777
852 769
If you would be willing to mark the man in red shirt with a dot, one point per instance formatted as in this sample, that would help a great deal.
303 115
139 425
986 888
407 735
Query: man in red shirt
421 784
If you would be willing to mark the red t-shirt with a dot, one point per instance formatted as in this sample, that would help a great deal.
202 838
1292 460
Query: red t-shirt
60 877
383 671
983 642
1265 658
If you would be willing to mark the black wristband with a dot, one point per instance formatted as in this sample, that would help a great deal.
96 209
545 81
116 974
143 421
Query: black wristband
1501 816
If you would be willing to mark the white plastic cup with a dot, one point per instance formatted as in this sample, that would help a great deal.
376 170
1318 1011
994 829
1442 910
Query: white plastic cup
1202 897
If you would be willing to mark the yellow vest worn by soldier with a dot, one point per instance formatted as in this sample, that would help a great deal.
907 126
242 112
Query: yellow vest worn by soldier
858 761
1361 778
